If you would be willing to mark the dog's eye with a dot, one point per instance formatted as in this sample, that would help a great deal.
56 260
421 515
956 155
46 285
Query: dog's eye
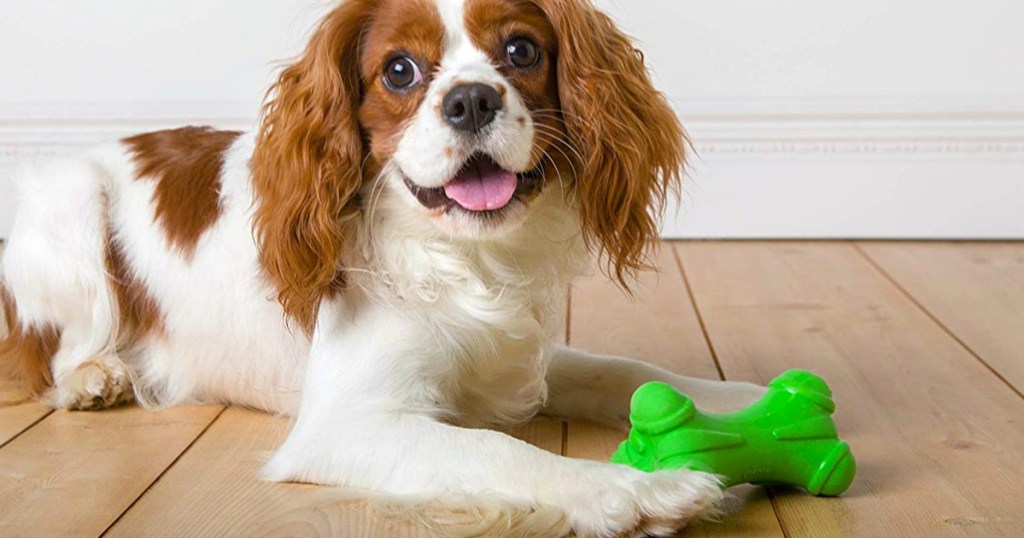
402 73
522 52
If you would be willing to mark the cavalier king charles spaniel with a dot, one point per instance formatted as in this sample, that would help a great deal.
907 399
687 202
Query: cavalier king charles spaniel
386 260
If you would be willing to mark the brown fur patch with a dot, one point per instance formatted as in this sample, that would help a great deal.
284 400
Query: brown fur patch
407 27
25 352
630 144
186 164
139 312
309 162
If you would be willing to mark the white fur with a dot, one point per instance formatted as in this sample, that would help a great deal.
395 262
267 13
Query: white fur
438 332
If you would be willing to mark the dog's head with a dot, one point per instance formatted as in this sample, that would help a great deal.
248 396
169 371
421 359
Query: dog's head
467 109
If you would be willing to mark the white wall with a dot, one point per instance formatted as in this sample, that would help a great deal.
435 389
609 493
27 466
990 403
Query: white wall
874 118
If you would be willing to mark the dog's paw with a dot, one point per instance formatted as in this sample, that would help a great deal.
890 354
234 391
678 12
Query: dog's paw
96 384
632 503
669 500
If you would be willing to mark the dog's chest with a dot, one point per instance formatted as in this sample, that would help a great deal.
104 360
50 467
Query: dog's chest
492 356
483 316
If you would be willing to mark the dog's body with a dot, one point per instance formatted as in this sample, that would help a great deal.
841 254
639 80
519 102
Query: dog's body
150 268
217 339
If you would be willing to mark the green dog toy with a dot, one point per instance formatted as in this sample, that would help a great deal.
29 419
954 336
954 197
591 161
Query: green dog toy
787 437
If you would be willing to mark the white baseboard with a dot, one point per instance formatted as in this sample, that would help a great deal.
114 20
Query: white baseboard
855 168
833 168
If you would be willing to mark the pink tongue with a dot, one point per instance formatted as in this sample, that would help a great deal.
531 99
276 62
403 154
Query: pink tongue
482 186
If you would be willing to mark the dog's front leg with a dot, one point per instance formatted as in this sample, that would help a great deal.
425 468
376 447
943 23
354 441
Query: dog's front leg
366 422
599 388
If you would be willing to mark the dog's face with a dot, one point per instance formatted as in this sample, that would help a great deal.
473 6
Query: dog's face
465 110
461 108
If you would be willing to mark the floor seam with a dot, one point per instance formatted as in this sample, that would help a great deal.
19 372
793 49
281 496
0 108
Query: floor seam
696 310
935 319
568 341
568 317
565 438
718 365
26 429
159 477
775 507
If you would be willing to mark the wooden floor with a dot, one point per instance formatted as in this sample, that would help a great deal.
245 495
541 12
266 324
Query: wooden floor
923 345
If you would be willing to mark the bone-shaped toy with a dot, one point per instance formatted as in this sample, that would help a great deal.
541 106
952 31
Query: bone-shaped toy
787 437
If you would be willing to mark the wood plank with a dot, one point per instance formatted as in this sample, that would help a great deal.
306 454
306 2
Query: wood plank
17 411
214 490
73 474
659 326
937 435
976 290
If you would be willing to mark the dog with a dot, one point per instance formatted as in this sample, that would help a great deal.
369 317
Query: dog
386 259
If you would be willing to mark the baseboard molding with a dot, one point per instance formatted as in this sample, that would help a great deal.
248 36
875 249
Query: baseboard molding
784 168
854 168
864 129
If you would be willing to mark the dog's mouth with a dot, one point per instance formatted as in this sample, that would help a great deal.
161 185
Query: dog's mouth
481 186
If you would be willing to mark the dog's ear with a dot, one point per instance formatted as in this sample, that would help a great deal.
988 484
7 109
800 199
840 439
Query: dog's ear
307 165
630 141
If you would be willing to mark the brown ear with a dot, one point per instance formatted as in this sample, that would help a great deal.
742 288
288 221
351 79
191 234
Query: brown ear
307 164
630 140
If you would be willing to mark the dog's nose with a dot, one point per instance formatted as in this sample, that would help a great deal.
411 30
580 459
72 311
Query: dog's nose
471 107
